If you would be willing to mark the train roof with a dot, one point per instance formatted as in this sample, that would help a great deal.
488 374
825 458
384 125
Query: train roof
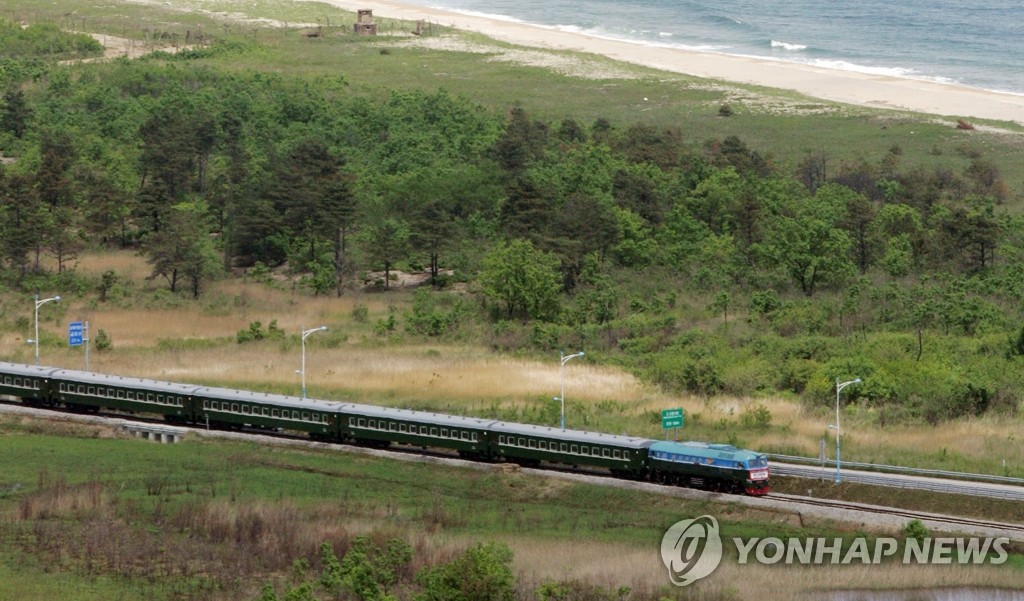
631 442
27 370
248 396
705 450
425 417
88 377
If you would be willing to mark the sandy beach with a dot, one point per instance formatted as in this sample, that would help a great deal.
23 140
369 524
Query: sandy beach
826 84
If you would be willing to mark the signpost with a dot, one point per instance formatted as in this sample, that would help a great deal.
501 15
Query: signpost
78 333
75 330
672 418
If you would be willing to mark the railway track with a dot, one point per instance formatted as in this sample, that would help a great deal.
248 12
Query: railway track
1015 531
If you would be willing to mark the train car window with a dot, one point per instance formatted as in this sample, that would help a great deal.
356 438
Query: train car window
234 407
473 437
352 421
575 450
371 424
465 435
92 390
120 394
444 432
206 404
392 426
246 409
305 415
605 453
564 447
433 431
35 384
501 439
17 381
544 445
617 454
625 455
160 399
533 444
7 380
522 442
403 428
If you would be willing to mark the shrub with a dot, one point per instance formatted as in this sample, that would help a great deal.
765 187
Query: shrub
103 341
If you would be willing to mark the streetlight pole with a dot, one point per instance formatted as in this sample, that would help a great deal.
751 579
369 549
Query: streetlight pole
306 334
839 387
561 377
40 303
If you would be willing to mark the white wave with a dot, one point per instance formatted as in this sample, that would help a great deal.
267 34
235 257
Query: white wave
788 46
664 34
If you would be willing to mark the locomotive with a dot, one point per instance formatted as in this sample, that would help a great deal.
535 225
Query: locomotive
710 466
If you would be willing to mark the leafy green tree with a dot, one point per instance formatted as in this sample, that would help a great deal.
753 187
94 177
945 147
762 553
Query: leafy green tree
713 201
482 573
805 244
523 279
182 250
386 239
16 113
21 211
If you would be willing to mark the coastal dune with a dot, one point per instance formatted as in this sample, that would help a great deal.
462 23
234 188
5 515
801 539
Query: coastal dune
848 87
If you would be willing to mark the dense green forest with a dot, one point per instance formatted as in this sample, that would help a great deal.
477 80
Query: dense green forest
702 264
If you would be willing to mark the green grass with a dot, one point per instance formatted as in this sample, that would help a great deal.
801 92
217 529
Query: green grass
117 518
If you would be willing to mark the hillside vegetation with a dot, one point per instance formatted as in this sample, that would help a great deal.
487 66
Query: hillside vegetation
685 253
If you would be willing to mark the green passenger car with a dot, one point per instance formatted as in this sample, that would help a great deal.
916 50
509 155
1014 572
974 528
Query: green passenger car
529 445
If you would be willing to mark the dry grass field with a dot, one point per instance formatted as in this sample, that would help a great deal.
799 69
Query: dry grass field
194 341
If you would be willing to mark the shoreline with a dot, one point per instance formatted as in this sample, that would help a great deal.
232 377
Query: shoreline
836 85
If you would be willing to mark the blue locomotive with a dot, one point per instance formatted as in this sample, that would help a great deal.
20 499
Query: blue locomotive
710 466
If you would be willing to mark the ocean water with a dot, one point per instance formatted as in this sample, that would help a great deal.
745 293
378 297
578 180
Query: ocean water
977 43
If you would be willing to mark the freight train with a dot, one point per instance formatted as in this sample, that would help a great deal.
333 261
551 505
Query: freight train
710 466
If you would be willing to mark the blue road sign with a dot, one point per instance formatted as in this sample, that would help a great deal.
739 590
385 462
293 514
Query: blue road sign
75 333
